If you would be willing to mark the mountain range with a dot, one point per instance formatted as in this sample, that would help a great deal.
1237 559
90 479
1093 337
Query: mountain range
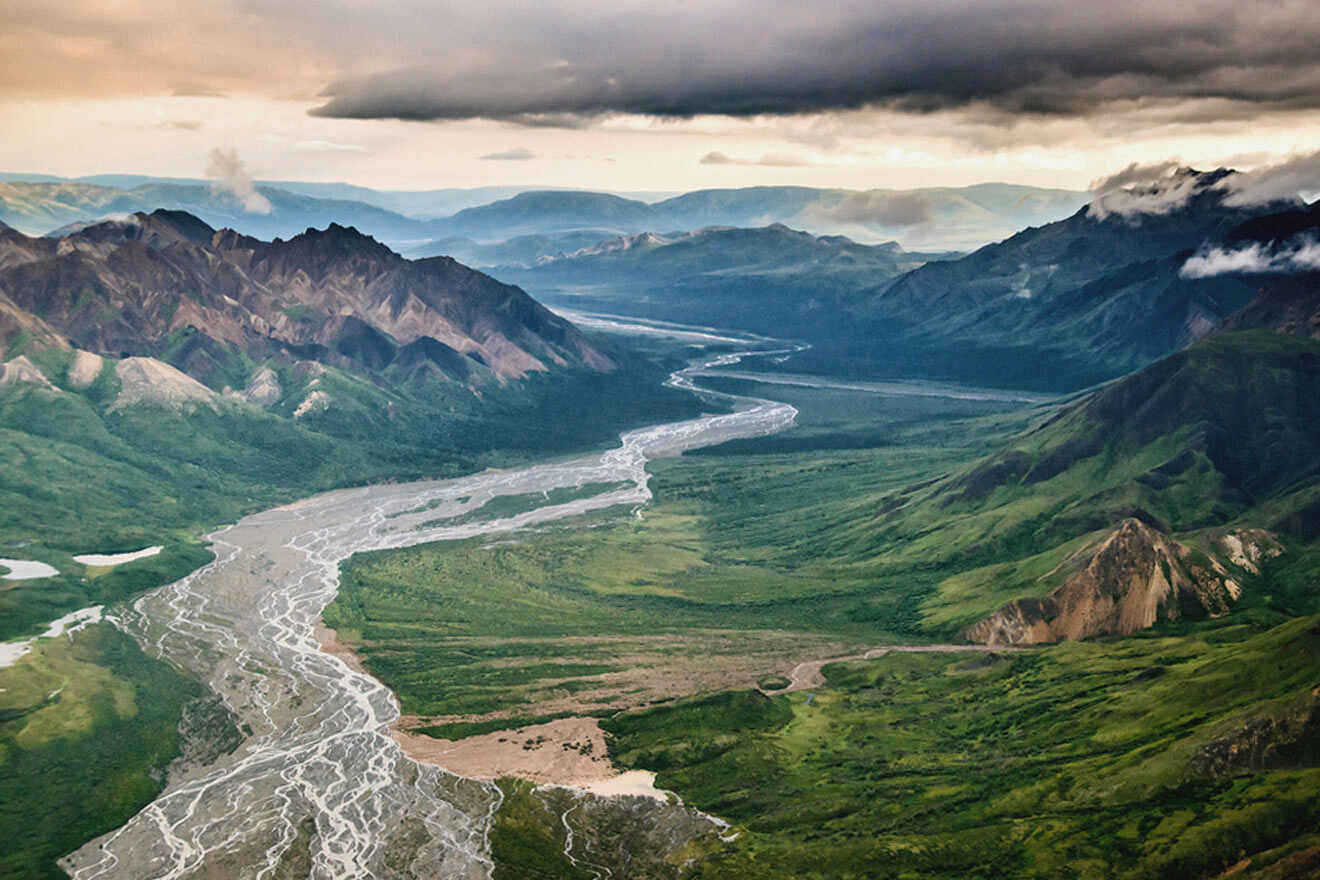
772 279
157 375
167 281
934 218
1060 306
426 221
41 208
1159 497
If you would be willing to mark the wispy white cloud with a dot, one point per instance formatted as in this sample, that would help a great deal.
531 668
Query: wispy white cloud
1158 188
517 154
1300 255
1162 187
770 160
1299 173
228 175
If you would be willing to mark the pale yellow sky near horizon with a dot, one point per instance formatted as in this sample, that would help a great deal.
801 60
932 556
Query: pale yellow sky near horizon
277 139
630 95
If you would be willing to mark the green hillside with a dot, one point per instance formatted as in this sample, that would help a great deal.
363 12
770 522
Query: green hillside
1176 752
84 477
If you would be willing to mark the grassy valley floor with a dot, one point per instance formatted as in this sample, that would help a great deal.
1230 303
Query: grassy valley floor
1106 759
1180 752
79 478
742 568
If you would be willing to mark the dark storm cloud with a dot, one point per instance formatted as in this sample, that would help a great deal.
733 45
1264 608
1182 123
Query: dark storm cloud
1052 57
565 63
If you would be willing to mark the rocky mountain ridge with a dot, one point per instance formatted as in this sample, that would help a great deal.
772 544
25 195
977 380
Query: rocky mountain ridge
167 284
1126 582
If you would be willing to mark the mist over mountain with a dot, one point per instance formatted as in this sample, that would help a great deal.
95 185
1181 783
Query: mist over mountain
39 208
943 218
417 204
1096 296
519 252
934 219
772 279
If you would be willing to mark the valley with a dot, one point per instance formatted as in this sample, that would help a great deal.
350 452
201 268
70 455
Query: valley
738 440
843 622
1174 751
125 449
256 647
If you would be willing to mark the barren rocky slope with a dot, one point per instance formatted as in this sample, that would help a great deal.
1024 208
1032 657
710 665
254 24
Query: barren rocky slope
166 284
1123 583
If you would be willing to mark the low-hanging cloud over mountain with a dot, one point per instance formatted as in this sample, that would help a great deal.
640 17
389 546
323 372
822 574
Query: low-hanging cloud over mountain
884 209
1301 255
1298 174
1163 187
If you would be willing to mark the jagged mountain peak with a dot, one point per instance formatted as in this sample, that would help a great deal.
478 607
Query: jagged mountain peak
182 291
186 225
157 228
343 238
1182 194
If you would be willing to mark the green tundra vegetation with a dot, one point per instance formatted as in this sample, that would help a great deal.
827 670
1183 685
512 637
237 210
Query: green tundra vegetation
734 545
87 727
83 478
1182 751
1134 758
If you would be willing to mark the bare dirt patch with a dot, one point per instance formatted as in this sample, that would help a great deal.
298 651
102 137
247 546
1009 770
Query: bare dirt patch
85 368
569 751
330 643
651 669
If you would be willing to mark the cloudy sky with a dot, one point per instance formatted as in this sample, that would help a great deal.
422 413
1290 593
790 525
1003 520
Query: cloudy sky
657 95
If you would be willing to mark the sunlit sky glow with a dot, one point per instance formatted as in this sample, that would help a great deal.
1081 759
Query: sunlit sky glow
642 97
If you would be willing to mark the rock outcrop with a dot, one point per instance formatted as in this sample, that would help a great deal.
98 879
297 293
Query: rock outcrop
263 388
85 368
21 371
147 380
1124 583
